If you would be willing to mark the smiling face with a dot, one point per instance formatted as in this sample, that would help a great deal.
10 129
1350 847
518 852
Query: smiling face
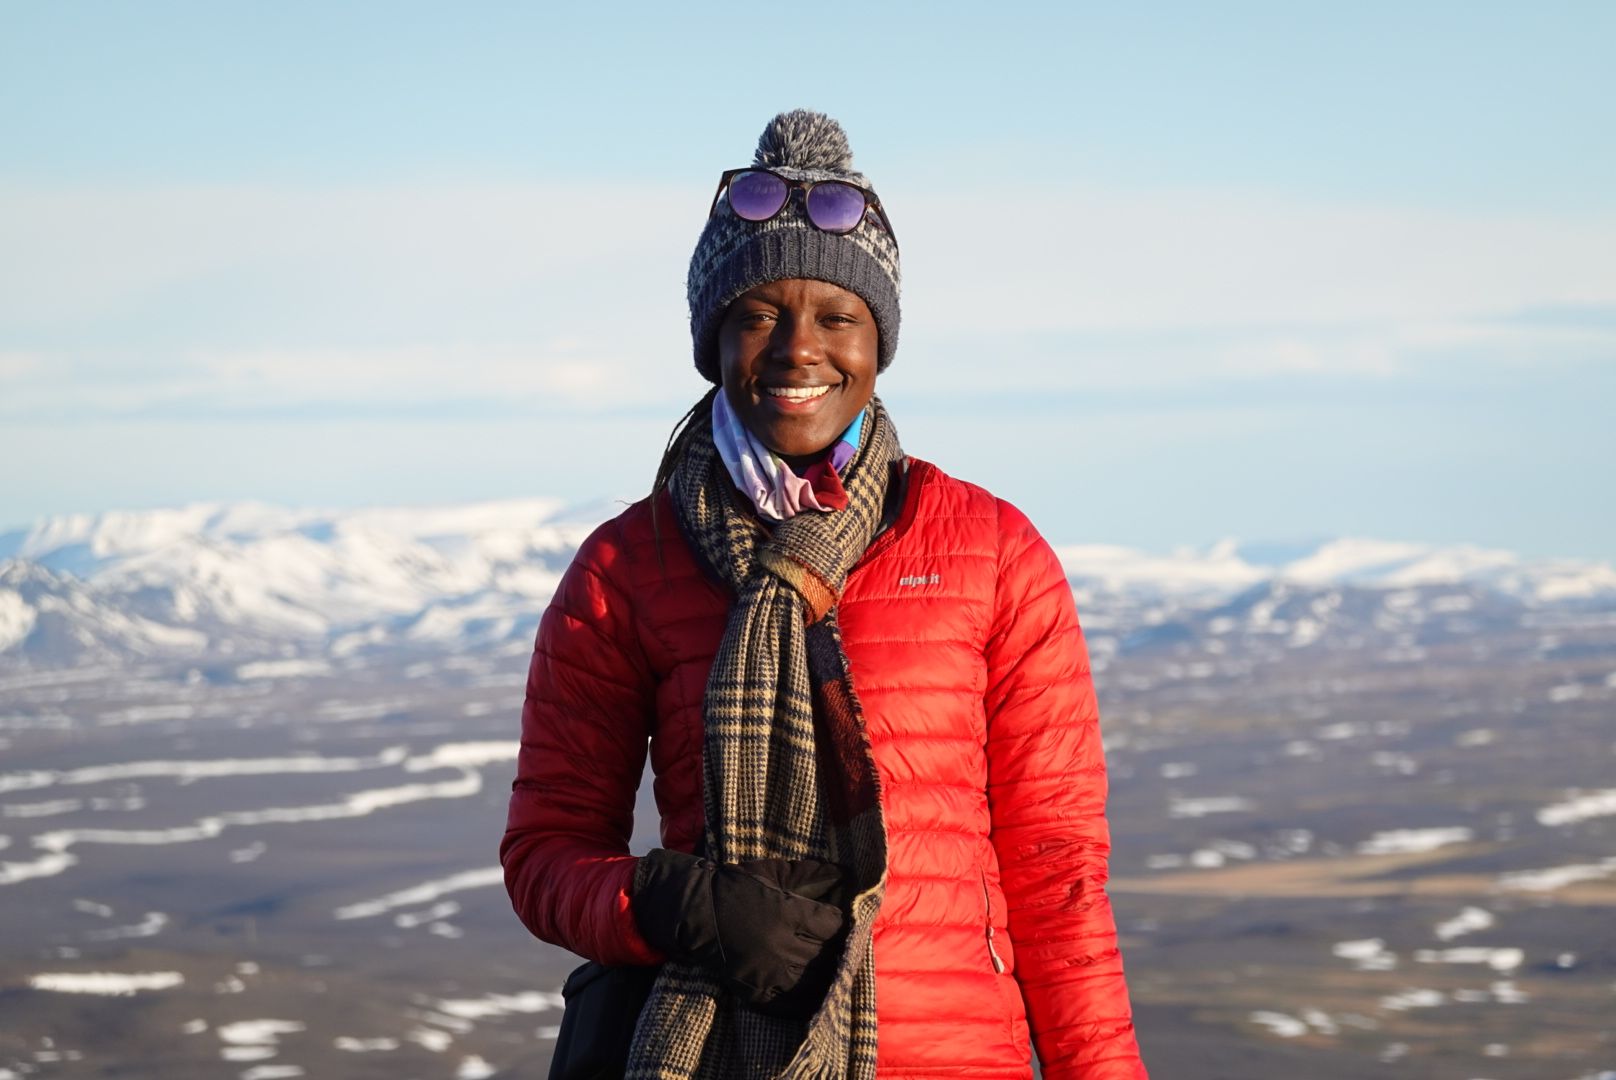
798 359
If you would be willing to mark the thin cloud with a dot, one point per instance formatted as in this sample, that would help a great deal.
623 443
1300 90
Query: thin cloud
101 252
16 365
150 300
377 381
1076 258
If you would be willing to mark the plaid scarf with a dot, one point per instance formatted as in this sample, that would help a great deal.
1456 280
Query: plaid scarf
787 769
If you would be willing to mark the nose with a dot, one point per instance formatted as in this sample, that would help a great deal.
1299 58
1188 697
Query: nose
795 340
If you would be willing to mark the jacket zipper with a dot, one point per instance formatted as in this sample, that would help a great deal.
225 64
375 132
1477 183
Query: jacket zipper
987 902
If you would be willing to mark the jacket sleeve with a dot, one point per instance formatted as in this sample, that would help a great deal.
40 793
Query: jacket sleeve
585 722
1046 792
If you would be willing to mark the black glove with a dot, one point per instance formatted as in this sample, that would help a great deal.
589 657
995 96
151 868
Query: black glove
771 929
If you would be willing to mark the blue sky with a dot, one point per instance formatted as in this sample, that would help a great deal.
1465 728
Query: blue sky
1171 274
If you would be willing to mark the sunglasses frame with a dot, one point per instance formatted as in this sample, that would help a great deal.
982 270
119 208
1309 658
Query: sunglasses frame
871 200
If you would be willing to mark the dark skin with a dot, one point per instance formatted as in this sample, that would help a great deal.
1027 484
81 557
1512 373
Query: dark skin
798 334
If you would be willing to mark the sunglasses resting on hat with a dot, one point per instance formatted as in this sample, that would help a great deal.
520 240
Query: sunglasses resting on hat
834 206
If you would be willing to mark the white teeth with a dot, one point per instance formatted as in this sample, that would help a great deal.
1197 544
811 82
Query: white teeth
797 393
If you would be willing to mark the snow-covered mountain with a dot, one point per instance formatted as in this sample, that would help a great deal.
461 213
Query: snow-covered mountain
1229 566
248 579
241 579
44 614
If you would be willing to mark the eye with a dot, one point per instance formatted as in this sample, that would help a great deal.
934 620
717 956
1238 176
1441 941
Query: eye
752 317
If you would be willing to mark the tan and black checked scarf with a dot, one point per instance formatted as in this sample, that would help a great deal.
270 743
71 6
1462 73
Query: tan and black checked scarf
787 769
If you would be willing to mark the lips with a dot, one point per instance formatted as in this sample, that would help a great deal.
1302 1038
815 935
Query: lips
797 393
794 400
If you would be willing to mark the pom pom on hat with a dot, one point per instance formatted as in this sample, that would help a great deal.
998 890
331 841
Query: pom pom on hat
803 139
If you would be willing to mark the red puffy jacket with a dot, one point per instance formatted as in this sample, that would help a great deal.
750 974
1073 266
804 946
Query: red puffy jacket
967 657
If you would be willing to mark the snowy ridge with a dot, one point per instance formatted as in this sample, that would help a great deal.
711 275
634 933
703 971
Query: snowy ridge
248 580
1225 568
242 579
70 621
1379 564
1218 572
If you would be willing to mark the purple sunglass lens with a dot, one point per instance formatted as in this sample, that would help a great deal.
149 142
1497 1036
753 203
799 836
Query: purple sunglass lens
756 196
835 206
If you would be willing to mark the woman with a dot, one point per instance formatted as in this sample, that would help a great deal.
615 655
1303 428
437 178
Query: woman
865 693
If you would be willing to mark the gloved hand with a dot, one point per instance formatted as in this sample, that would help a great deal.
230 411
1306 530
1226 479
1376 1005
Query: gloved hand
771 929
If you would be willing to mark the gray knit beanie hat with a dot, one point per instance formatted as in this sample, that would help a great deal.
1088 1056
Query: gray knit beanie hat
734 255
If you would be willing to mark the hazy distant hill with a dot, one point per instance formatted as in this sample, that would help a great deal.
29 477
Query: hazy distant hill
248 580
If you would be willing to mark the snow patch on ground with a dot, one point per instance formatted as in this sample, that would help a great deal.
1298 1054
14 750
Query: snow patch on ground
464 755
1579 808
1505 992
1413 999
1556 877
258 1032
494 1005
24 781
1215 804
105 983
1282 1024
44 866
1497 959
152 924
249 853
258 1040
272 1072
474 1068
1468 921
1414 841
1367 954
188 771
436 1041
1559 695
409 920
425 893
1287 1026
365 1046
